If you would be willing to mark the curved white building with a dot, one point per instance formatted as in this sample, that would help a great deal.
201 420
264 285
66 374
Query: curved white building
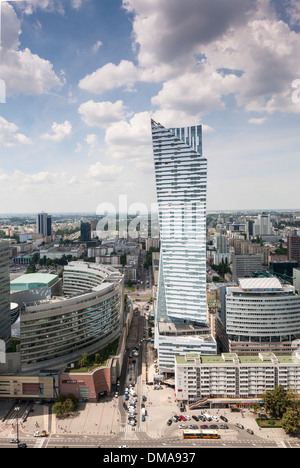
59 331
262 314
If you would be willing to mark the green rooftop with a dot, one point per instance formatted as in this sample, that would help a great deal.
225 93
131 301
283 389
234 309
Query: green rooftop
33 281
231 358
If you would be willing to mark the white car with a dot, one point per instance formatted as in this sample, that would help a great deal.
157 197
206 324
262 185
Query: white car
188 417
116 394
182 426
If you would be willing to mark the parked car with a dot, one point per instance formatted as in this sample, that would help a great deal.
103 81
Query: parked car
204 426
250 431
182 426
223 418
182 418
240 426
169 422
214 426
14 441
195 418
223 426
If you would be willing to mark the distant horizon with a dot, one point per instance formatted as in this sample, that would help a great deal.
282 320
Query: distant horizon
89 213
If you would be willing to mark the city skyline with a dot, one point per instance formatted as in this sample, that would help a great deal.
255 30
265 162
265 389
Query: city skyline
84 78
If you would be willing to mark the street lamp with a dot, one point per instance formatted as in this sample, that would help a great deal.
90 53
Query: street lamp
17 409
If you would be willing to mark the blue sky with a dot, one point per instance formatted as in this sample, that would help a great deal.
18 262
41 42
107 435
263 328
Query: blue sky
83 78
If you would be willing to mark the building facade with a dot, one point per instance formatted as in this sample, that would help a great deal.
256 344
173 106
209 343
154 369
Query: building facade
244 265
5 322
44 225
293 245
231 377
181 185
262 314
58 331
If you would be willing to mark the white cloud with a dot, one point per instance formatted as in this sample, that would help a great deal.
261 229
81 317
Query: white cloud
96 47
226 47
22 71
258 121
293 11
111 76
92 141
100 171
102 114
59 132
9 135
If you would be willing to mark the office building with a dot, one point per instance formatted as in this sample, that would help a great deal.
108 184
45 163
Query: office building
244 265
5 322
263 226
44 225
296 279
58 331
181 184
222 250
293 245
85 231
283 269
262 314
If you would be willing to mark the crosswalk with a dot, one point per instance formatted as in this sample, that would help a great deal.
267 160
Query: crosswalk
128 428
281 444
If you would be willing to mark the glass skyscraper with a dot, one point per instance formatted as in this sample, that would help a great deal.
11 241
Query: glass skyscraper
5 322
181 183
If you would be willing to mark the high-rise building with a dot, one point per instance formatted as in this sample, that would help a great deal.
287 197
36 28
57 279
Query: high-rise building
85 231
181 179
5 322
263 226
44 224
293 244
244 265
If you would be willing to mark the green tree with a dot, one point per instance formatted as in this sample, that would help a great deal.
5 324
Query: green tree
290 421
276 401
68 406
83 360
57 408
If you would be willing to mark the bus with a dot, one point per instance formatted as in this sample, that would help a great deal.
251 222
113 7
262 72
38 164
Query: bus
201 434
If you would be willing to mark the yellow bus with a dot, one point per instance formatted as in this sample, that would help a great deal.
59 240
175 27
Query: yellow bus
201 434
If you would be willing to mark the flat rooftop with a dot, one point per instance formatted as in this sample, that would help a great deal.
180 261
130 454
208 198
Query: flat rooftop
33 281
227 358
260 284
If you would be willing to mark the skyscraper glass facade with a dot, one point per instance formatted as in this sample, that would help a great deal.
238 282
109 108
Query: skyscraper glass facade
5 328
181 183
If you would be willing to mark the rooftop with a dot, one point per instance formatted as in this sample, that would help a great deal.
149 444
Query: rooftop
33 281
260 283
261 358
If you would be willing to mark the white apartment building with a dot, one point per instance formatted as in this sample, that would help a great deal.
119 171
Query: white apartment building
229 376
